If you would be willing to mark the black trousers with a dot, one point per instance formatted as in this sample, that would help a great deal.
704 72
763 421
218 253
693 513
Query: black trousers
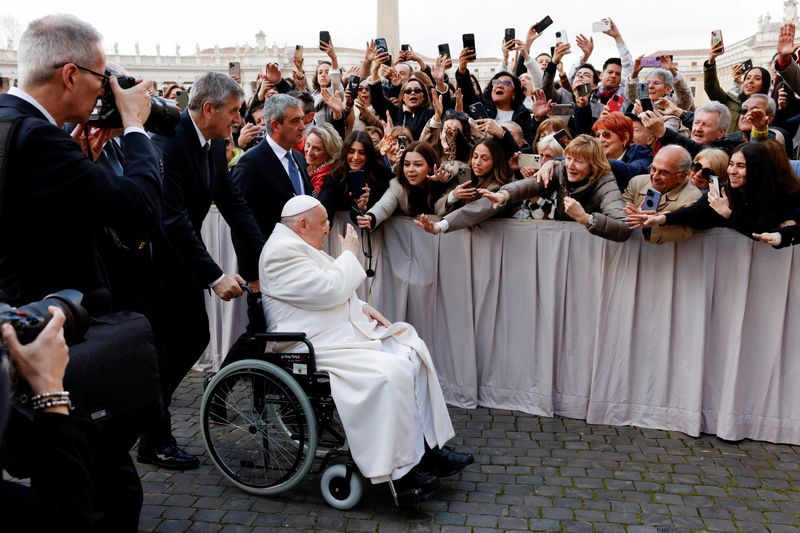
180 326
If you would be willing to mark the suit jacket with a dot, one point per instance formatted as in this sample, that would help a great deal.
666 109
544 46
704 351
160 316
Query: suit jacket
266 186
179 251
56 200
682 195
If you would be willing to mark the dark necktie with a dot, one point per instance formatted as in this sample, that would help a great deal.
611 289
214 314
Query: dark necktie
294 174
206 164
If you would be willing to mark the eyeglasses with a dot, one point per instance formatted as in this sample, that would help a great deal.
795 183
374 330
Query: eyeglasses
660 171
504 83
415 90
90 71
697 167
743 110
604 134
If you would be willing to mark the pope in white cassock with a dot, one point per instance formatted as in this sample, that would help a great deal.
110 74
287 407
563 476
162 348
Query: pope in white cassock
382 379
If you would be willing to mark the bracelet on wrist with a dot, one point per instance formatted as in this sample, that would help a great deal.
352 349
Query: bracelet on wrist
51 399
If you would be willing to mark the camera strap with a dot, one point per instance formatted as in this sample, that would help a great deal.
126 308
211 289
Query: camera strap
7 126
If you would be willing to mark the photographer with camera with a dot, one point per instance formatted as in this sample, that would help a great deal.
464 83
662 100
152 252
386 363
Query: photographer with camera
61 492
48 178
55 198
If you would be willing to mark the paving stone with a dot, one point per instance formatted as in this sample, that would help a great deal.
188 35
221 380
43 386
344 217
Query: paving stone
531 474
537 524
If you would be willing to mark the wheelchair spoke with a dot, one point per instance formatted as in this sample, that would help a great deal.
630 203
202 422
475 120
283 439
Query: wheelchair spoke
259 428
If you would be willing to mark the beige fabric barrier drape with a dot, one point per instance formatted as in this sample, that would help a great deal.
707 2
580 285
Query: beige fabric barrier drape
543 317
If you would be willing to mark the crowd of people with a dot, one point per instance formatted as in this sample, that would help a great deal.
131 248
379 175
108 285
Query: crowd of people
122 209
401 136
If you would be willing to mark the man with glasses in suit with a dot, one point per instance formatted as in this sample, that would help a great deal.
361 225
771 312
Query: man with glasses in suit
54 199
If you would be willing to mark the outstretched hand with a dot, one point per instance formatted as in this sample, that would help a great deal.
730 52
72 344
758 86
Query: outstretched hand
426 224
773 239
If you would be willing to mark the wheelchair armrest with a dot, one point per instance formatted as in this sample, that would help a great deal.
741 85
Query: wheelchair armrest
281 336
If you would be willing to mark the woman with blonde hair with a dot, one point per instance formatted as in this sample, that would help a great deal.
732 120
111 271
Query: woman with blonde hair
707 163
583 186
322 149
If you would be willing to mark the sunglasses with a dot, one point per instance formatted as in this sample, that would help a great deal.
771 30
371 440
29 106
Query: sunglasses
504 83
415 90
697 167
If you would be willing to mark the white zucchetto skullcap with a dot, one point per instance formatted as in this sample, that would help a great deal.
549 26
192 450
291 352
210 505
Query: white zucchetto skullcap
299 204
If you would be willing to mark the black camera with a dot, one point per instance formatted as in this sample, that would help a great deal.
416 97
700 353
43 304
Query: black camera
29 320
164 113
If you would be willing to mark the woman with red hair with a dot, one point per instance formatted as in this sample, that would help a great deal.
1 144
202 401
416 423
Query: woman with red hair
615 132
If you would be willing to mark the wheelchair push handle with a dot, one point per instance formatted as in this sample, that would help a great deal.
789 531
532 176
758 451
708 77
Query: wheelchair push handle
246 288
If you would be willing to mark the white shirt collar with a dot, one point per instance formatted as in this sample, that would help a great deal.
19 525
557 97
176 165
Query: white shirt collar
19 93
279 150
200 136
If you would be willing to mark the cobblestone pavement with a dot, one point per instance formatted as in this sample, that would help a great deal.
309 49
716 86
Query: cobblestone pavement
531 474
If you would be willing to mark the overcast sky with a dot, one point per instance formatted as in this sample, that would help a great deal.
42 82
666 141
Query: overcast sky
646 26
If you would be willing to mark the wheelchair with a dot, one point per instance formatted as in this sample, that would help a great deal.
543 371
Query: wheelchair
266 419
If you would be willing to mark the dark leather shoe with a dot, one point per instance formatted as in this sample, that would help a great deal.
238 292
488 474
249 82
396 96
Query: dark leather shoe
415 487
167 456
443 462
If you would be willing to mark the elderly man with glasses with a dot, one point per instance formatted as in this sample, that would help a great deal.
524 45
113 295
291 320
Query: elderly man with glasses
665 189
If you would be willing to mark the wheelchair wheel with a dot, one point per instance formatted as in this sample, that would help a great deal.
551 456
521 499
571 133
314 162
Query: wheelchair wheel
258 427
339 492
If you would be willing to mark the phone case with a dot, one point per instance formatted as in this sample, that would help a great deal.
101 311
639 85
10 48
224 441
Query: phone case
600 26
478 111
642 91
651 200
468 40
651 61
563 110
543 25
615 103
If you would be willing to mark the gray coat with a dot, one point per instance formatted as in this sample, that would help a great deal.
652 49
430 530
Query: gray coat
600 198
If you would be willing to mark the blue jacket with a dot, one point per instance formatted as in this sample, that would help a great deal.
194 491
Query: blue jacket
636 161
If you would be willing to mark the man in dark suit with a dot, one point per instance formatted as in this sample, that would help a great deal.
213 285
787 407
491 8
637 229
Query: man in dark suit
269 174
272 172
195 174
55 199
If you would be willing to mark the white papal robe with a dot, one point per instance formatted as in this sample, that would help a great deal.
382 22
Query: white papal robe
307 290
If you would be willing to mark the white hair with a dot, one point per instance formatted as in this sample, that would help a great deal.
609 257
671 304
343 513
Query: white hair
722 111
52 41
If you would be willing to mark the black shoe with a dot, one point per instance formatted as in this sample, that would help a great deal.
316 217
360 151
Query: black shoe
167 456
443 462
415 487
